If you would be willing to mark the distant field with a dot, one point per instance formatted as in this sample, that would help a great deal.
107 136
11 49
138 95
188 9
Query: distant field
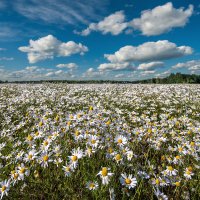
102 141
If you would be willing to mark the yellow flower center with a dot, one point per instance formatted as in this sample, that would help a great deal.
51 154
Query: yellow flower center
177 157
128 181
41 124
110 150
45 158
68 123
37 133
119 141
180 149
177 184
30 156
108 122
157 181
46 143
22 170
92 185
170 168
15 176
93 141
3 188
118 157
29 138
77 133
67 169
188 172
190 168
91 108
74 158
192 144
104 171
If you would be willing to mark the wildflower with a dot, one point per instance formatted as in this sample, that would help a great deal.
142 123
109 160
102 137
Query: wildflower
128 180
30 156
68 170
118 158
105 175
5 187
76 154
160 195
188 173
23 171
92 185
120 140
129 155
45 159
170 171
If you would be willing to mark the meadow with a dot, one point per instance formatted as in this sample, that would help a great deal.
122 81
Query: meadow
99 141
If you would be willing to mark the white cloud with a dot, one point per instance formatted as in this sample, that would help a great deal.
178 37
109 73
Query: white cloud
150 66
71 66
48 47
190 65
6 58
115 66
113 24
35 73
149 51
2 49
147 73
92 73
161 19
61 11
163 74
119 75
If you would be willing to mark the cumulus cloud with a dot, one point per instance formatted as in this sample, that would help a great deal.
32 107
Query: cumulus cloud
149 51
190 65
2 49
150 66
48 47
71 66
161 19
92 73
113 24
115 66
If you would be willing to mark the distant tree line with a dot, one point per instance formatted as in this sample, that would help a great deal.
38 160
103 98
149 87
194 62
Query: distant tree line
171 79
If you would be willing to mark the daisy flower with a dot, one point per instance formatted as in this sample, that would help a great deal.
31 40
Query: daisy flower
129 155
128 180
93 141
31 155
76 154
45 159
188 173
120 140
170 171
23 171
5 186
92 185
105 175
68 169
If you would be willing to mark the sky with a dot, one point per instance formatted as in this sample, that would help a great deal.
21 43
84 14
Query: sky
98 39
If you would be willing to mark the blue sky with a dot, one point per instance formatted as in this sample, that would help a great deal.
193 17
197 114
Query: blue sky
92 39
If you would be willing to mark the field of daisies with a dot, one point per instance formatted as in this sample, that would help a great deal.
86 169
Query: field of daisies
84 141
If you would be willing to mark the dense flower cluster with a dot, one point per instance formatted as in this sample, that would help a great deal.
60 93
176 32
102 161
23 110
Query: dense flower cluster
106 140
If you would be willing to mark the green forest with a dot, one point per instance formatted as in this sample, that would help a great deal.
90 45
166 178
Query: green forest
171 79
